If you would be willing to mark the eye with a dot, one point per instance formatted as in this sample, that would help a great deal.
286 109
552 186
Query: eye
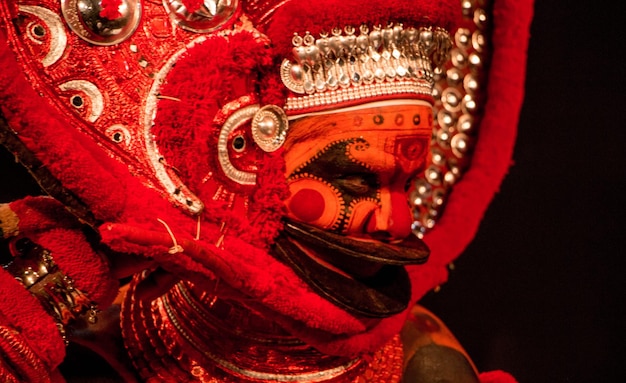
358 184
239 143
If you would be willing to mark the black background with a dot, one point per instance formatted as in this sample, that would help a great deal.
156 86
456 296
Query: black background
539 293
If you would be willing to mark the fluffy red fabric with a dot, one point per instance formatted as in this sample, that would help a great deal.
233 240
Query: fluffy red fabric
318 16
192 5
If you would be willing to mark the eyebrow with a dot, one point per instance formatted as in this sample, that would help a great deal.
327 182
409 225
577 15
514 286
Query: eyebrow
316 128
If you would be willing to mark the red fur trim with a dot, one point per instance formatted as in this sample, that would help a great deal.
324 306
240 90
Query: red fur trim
37 214
267 204
208 76
496 377
317 16
76 259
23 312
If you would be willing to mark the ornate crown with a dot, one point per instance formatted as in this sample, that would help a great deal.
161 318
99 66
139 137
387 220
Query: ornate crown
342 67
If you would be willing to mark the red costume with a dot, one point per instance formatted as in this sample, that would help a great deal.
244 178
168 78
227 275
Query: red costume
253 161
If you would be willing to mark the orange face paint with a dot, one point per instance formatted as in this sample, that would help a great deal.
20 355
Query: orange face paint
347 171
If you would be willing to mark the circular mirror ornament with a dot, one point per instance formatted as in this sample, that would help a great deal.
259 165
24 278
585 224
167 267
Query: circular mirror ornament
269 127
84 17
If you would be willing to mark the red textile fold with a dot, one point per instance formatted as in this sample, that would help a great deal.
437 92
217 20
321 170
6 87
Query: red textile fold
24 313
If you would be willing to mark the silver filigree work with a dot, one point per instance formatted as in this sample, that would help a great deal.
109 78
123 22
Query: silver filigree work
344 66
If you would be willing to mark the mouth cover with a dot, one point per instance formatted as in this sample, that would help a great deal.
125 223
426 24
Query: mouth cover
368 277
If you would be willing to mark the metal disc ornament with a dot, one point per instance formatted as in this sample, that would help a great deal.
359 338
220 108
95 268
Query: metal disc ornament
269 127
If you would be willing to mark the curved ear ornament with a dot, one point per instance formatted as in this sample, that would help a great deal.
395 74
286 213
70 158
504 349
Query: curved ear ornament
84 18
269 129
233 122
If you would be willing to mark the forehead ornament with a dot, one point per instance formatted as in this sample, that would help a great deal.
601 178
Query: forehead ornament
343 68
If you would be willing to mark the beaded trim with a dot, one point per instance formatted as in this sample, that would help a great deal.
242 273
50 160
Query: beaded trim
338 68
459 96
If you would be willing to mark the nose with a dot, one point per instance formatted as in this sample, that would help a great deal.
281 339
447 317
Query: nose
392 219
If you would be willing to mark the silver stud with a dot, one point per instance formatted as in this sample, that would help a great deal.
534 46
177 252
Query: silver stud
269 127
459 60
478 41
454 76
83 17
470 84
462 37
480 18
460 145
444 119
465 123
469 104
451 100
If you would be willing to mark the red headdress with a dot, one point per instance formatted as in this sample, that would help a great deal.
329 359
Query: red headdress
134 124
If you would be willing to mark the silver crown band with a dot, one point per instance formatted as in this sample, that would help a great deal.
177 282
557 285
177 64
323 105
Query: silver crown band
344 67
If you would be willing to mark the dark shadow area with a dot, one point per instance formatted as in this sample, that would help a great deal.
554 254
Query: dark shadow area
539 292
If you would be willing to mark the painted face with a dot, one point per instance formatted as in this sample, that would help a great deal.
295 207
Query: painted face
348 213
348 172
